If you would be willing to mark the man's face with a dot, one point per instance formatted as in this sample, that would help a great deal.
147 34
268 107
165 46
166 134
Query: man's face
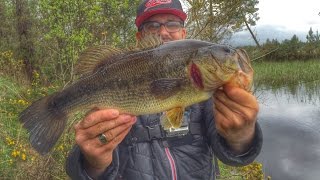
170 21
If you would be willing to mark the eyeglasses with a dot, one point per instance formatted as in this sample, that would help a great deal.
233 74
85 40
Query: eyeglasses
154 27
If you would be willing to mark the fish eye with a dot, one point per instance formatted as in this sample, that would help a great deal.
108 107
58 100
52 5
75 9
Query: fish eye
227 49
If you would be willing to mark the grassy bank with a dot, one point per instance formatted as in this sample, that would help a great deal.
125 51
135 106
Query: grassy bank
17 159
287 73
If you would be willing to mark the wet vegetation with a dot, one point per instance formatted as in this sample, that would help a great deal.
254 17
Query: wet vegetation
40 42
289 64
275 74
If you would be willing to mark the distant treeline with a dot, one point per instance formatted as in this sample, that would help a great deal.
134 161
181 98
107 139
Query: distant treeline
289 49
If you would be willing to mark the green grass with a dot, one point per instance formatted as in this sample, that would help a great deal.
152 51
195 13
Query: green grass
286 73
229 172
10 135
252 171
18 160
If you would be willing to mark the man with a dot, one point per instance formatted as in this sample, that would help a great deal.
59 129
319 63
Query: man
118 146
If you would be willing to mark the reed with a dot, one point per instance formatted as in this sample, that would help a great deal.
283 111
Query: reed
287 73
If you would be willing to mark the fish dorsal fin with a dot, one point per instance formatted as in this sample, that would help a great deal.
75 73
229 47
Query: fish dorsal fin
93 57
147 42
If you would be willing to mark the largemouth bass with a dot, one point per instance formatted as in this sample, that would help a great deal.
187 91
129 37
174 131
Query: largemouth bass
165 78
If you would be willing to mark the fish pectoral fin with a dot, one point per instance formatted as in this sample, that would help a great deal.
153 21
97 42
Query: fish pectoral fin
164 88
172 118
165 123
92 58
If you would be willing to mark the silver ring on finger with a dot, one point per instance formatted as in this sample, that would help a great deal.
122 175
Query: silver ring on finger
103 138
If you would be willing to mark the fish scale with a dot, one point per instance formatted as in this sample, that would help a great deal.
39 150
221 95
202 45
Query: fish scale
167 77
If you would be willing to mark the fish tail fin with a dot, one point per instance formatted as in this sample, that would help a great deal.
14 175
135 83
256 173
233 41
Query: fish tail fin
45 122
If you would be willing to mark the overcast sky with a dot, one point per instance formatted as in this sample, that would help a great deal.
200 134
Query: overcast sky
281 19
296 15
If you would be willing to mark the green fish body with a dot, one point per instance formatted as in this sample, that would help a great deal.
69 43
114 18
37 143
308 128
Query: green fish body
167 78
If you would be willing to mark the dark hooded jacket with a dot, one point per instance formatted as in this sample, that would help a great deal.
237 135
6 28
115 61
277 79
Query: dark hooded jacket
183 157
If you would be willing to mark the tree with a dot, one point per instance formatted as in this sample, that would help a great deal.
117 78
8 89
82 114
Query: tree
311 37
312 47
270 47
294 48
251 32
26 44
50 34
8 36
73 25
214 20
2 16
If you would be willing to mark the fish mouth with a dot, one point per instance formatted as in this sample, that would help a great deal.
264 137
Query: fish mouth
212 74
225 68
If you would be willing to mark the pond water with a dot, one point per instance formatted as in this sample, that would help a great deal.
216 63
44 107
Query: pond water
290 121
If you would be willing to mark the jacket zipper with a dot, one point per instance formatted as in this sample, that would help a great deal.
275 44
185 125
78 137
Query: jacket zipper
172 164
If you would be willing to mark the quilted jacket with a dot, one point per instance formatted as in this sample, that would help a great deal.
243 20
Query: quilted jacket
165 159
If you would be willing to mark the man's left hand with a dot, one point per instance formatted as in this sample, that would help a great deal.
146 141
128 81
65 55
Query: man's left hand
235 113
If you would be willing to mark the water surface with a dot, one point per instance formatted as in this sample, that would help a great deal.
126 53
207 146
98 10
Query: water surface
290 121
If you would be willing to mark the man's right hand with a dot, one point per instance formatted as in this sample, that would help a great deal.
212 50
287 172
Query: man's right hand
114 126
